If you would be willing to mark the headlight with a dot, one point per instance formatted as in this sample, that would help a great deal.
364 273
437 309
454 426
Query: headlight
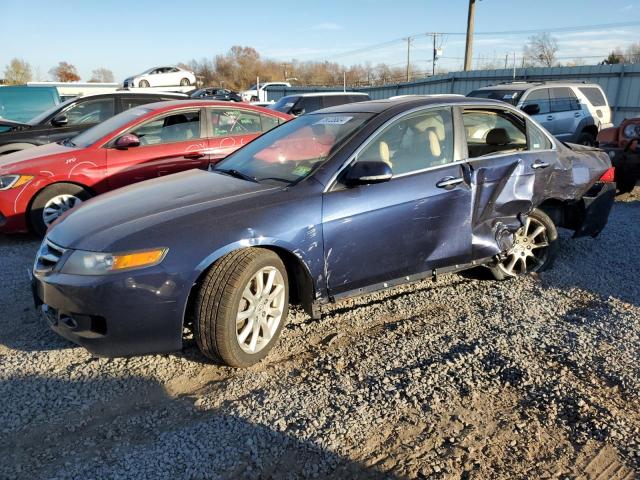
630 131
96 263
13 181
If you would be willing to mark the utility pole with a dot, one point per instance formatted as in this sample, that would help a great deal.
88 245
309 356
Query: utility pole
435 53
468 52
408 59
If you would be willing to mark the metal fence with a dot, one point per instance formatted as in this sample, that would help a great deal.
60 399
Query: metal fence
621 84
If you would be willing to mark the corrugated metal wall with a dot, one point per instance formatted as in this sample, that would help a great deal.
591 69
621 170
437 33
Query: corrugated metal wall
621 83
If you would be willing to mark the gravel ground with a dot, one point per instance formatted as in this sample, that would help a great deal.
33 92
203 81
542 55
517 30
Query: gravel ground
463 378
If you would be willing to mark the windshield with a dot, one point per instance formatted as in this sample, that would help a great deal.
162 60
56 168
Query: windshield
506 95
92 135
43 116
285 104
294 150
252 87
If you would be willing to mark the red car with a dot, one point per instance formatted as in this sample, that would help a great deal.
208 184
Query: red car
39 184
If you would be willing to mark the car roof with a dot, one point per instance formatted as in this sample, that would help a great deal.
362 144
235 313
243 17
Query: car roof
521 86
188 103
327 94
404 103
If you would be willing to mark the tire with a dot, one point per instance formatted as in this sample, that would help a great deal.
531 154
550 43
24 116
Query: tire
59 196
221 297
185 82
535 259
587 139
143 84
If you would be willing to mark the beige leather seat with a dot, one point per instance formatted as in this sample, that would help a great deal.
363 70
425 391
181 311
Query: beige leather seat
385 153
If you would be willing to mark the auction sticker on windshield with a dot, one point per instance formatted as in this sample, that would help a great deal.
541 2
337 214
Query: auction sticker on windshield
335 120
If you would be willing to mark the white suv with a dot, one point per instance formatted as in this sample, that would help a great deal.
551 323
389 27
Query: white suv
572 112
258 93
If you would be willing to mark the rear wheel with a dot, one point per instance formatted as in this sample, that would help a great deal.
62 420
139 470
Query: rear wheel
185 82
587 139
143 84
52 202
533 250
241 307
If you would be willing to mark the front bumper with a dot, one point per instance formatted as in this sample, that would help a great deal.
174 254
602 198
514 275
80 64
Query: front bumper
122 314
12 215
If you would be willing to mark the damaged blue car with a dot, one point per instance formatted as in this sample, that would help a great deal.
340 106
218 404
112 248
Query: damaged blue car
336 203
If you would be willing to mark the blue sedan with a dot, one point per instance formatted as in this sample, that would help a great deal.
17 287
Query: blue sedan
336 203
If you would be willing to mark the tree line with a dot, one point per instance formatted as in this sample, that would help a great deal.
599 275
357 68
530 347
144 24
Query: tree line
239 68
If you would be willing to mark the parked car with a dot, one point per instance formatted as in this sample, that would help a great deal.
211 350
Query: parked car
258 93
217 94
161 77
335 203
572 112
312 101
621 143
154 140
71 118
21 103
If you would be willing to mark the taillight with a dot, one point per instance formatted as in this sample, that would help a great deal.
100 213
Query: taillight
609 176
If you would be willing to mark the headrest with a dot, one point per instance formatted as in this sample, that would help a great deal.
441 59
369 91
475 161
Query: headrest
498 136
434 143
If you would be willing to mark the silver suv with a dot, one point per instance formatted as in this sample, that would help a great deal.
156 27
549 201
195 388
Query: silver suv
572 112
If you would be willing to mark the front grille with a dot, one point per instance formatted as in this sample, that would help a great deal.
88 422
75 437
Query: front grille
48 256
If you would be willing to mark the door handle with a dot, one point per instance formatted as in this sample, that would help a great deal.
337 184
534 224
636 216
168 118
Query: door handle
449 182
577 114
549 117
194 155
539 164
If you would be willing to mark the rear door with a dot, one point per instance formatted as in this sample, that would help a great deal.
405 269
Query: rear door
540 97
566 112
81 115
169 143
233 127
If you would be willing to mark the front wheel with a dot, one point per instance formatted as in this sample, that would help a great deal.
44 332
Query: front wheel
533 250
52 202
241 307
143 84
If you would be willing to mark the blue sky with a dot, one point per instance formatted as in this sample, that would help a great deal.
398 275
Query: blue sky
130 36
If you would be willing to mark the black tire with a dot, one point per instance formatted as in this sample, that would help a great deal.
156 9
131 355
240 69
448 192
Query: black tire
143 84
34 214
544 257
218 300
587 139
185 82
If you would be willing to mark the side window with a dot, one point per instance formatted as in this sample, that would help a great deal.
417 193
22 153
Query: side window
179 127
90 111
269 122
308 104
234 122
539 97
563 100
333 100
128 103
594 95
414 143
537 139
491 132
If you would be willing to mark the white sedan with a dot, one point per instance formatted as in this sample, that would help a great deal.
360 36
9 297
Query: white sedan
161 77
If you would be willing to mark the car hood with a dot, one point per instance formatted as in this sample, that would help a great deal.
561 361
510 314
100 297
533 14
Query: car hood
32 158
105 222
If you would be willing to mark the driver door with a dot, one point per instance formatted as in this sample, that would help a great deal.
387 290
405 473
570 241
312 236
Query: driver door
413 223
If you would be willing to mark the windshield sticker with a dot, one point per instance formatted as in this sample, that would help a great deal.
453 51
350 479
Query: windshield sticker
335 120
301 170
508 96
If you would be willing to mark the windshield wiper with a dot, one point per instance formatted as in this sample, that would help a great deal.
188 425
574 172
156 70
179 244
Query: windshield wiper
237 174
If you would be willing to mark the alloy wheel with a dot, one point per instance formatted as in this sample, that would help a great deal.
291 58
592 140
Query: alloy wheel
57 205
260 310
529 251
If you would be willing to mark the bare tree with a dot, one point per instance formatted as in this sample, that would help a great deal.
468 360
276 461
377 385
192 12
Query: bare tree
101 75
64 72
541 50
633 53
18 72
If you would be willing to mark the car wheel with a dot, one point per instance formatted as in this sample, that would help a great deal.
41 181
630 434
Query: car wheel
241 307
185 82
533 249
52 202
587 139
143 84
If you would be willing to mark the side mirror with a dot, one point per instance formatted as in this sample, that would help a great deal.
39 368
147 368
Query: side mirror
128 140
297 111
60 120
531 109
366 172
